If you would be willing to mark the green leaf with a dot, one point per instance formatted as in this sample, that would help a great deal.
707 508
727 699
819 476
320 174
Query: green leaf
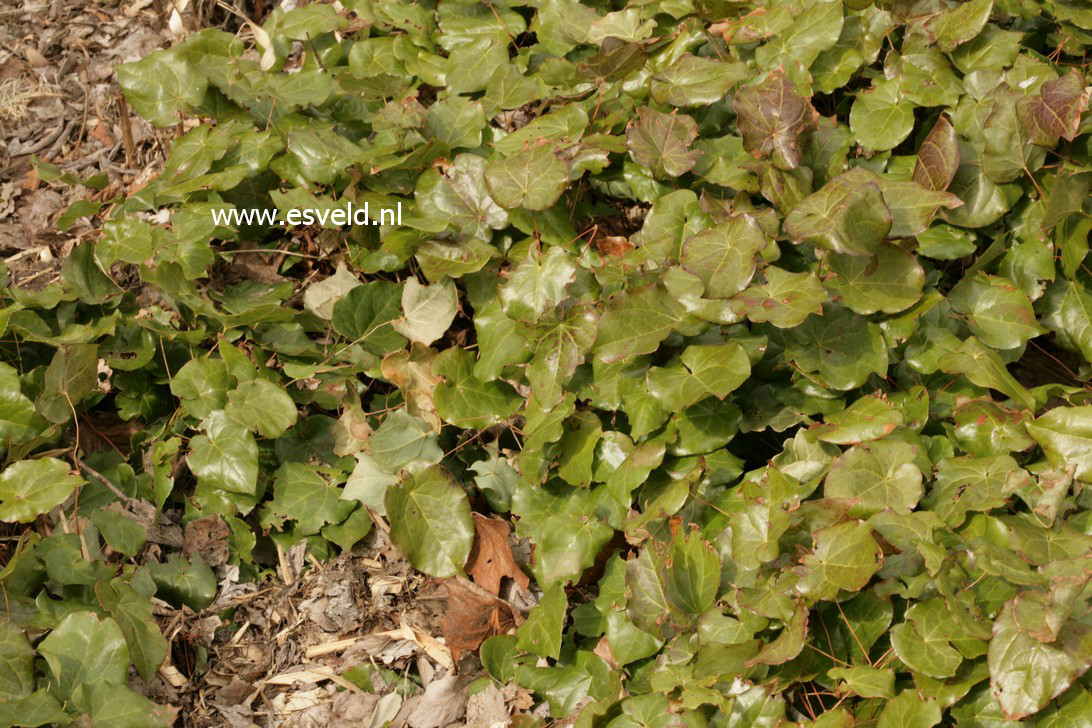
705 426
121 533
307 22
866 681
945 242
463 400
185 581
470 65
366 314
967 484
913 206
567 124
567 540
1026 674
460 198
541 633
881 118
923 641
127 240
427 311
133 613
998 312
162 85
876 476
1065 434
907 710
352 530
984 201
889 281
85 650
984 428
577 448
984 367
560 349
322 156
537 284
122 707
815 30
71 377
788 644
719 368
1068 307
368 483
226 457
960 23
841 348
38 708
202 385
926 79
501 342
261 406
457 122
16 663
303 495
661 142
402 439
532 179
695 81
785 299
845 558
430 522
847 215
32 487
636 321
723 256
670 586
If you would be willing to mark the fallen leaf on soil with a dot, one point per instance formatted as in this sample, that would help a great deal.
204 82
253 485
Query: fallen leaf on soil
491 557
486 708
444 702
472 617
100 133
208 536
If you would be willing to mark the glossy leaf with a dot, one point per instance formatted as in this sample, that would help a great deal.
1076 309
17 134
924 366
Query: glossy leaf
430 522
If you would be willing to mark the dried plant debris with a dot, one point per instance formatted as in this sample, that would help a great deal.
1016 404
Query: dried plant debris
725 364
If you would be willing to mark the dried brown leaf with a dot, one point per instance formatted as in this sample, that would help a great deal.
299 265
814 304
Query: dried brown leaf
208 537
471 617
491 557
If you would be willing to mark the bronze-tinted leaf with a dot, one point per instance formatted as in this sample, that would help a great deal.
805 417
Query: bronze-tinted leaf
938 157
772 118
616 58
1056 111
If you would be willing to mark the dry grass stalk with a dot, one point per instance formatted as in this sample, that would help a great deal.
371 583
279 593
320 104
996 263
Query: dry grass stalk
16 95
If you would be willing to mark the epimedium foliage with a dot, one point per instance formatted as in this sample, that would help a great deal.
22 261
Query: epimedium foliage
768 324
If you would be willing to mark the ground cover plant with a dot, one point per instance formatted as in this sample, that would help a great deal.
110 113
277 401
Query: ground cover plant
767 327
